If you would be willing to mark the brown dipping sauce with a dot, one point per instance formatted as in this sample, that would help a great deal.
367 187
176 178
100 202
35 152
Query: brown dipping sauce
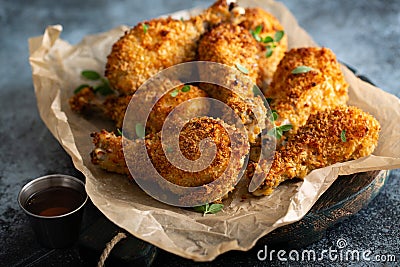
54 201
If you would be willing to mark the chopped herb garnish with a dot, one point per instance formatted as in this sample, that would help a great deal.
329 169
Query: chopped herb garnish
80 87
301 69
91 75
278 36
174 93
268 39
140 131
269 51
343 136
242 68
103 88
182 19
274 116
278 131
145 27
256 90
207 208
119 132
256 33
185 88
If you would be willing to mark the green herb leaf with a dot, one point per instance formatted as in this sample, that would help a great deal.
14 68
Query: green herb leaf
278 132
91 75
269 100
269 51
119 132
145 28
343 136
103 89
274 116
278 36
256 33
286 127
242 68
174 93
301 69
185 88
207 208
140 131
80 87
202 208
268 39
214 208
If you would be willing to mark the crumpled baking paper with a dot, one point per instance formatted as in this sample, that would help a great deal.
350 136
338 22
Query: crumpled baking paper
56 67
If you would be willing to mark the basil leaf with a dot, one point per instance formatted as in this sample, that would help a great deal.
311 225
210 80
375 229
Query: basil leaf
286 127
274 115
343 136
91 75
242 68
185 88
140 131
104 89
301 69
268 39
174 93
279 35
145 28
203 208
214 208
269 51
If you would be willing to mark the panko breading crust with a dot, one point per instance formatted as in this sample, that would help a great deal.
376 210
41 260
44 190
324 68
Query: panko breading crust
230 45
296 96
109 154
319 143
253 18
115 107
154 45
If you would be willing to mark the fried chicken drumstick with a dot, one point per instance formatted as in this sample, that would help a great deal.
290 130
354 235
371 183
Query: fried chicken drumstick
330 136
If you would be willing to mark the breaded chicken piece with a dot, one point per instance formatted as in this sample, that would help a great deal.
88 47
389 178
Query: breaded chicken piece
108 152
258 17
232 45
228 160
115 108
296 96
154 45
334 135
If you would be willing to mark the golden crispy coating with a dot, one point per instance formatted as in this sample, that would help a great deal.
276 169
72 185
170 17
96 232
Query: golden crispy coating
296 96
108 154
154 45
82 100
115 107
231 45
320 143
253 18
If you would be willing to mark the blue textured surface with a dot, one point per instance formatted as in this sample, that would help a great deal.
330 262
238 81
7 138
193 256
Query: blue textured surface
364 34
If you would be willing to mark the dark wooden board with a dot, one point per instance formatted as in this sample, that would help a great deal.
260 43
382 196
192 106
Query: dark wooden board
347 195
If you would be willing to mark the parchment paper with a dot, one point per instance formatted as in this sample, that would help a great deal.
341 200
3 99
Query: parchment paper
56 67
